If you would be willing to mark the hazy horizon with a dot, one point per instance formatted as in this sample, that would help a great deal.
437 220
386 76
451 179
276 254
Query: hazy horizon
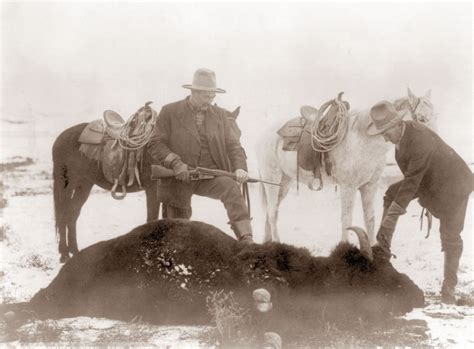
71 61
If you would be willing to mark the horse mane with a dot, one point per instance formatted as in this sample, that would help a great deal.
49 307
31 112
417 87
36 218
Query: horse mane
401 103
359 120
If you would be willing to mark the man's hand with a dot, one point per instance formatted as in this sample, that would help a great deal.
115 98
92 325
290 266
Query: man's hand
181 171
381 252
241 175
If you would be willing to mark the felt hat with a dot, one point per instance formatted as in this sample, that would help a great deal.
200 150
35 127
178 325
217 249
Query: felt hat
261 295
204 80
384 116
271 340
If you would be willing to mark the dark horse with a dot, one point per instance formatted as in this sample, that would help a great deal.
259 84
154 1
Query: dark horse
74 175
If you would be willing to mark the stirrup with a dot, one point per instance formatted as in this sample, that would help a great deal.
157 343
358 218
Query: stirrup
311 187
114 189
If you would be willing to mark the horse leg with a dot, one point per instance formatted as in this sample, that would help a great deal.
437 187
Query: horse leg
347 206
78 198
62 191
274 196
61 226
271 212
152 204
367 193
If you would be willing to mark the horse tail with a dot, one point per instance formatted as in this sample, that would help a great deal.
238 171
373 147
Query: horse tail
60 182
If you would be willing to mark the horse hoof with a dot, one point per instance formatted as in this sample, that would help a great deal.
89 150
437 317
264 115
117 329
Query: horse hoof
64 258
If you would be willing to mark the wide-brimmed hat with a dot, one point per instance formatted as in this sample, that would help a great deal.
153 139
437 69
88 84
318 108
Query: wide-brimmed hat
384 116
271 340
261 295
204 80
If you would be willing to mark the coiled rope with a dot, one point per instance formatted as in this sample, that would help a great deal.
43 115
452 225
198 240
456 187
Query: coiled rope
328 131
137 141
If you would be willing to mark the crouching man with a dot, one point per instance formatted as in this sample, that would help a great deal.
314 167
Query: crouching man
435 174
191 133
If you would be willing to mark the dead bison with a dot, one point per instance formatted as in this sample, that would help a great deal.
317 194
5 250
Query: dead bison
163 271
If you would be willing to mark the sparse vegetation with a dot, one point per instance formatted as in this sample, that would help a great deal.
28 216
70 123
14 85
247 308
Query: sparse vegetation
36 261
46 331
4 231
3 200
133 332
16 162
233 322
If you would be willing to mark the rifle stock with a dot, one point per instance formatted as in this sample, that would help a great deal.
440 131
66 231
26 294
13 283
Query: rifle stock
158 171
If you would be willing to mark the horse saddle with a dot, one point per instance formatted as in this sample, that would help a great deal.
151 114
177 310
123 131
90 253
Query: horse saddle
297 136
291 133
111 125
101 141
114 123
93 133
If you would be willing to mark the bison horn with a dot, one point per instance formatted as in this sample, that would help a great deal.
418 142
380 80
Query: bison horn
364 242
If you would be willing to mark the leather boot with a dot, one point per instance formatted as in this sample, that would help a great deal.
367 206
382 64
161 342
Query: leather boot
452 255
387 228
243 231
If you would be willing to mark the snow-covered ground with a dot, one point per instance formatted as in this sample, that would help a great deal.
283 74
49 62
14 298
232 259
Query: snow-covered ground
29 258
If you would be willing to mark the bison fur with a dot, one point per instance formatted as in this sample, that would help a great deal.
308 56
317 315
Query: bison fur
164 271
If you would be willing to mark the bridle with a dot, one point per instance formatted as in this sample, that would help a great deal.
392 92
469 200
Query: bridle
413 110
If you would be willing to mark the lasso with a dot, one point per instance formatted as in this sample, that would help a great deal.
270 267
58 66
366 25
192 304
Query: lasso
138 141
327 134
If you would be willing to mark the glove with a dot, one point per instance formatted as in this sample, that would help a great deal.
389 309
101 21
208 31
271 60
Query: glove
381 252
241 175
181 171
387 228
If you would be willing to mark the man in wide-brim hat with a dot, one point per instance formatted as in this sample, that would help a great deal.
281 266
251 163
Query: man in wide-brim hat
191 133
435 174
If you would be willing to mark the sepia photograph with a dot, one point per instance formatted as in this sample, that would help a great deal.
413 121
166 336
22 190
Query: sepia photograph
236 174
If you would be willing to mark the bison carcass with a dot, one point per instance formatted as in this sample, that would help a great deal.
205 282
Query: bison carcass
163 271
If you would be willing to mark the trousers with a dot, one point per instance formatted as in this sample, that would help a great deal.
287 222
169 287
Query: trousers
225 189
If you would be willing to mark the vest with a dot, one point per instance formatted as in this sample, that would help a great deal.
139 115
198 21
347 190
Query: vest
205 158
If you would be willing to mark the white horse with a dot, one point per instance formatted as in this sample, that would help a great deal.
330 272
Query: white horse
357 164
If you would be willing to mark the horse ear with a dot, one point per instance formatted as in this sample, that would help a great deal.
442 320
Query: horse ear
236 112
428 94
411 97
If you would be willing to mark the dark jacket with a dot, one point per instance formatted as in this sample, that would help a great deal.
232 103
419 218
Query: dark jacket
432 170
177 132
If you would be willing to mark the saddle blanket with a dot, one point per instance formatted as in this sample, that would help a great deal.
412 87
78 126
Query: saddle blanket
291 133
93 133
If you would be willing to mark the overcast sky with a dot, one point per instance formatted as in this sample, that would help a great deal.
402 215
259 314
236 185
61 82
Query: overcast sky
271 58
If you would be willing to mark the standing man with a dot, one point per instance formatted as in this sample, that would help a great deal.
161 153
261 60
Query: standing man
192 133
434 173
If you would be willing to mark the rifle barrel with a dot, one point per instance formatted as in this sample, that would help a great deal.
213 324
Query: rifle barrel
253 180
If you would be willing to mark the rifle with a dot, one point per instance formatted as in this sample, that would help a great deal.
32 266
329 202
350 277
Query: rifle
198 173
